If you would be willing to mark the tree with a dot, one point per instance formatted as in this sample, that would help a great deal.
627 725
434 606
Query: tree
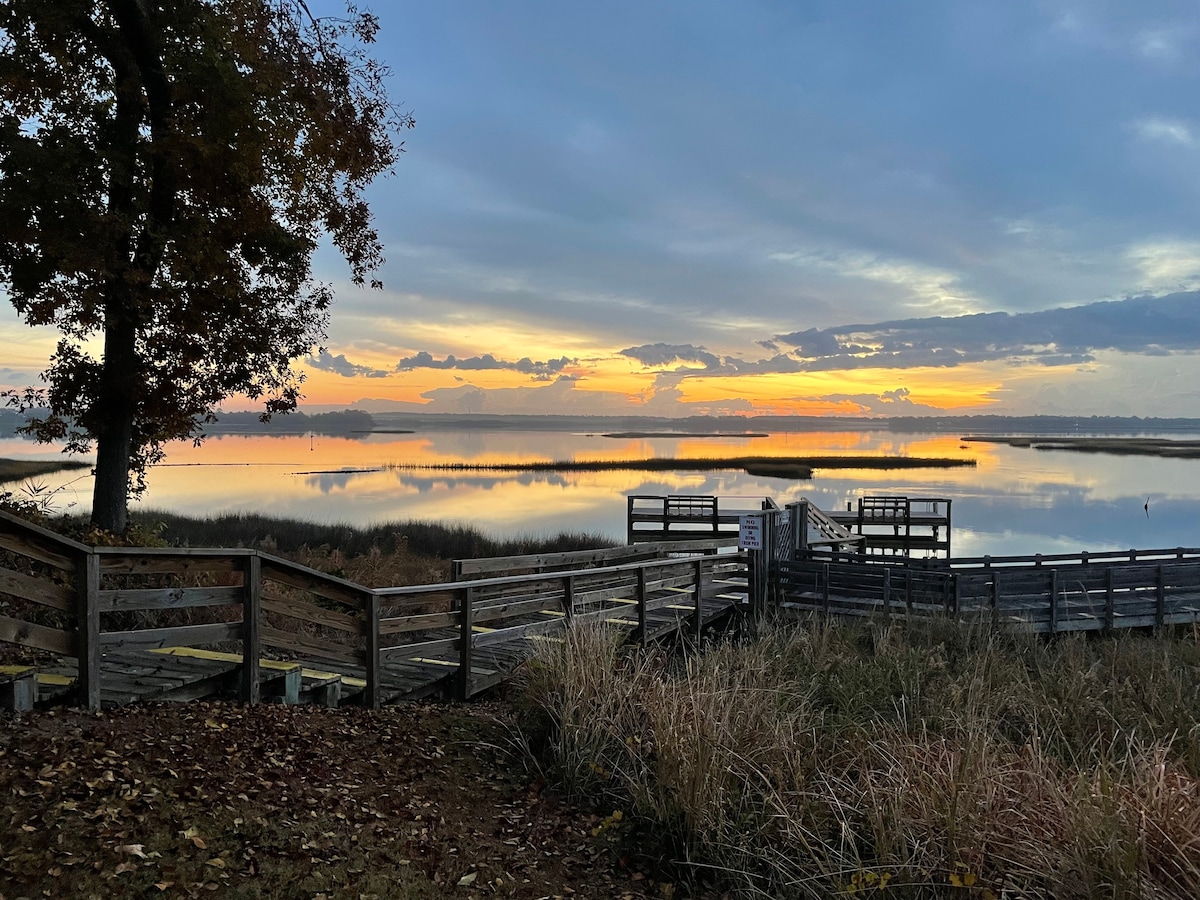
167 169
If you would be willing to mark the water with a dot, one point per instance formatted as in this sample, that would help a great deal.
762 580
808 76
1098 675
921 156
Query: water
1013 501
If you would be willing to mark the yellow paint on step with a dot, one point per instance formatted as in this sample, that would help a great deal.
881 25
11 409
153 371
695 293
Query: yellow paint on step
15 670
49 678
275 664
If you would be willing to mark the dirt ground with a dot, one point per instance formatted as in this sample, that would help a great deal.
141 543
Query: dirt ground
211 799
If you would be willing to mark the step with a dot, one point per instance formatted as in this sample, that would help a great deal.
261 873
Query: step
18 688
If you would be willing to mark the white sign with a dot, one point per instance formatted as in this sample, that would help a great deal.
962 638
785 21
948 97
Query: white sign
750 532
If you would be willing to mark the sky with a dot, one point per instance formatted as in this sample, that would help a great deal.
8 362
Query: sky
774 206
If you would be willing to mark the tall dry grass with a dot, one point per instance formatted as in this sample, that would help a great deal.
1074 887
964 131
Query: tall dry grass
927 760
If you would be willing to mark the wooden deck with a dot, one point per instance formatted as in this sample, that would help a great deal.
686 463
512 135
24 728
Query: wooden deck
125 625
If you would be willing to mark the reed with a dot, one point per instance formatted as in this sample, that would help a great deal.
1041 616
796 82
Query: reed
926 760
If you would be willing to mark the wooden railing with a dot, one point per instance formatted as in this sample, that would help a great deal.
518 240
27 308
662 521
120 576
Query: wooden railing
91 603
1069 592
681 517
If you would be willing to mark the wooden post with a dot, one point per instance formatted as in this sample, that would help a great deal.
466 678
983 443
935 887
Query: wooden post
1160 598
251 641
467 614
374 697
825 578
908 600
641 604
1109 612
87 628
698 616
800 529
1053 600
995 598
568 586
887 591
957 596
629 521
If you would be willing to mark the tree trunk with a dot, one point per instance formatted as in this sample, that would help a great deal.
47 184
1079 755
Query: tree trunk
116 406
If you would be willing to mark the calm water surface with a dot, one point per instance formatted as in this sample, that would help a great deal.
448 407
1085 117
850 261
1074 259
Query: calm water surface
1013 501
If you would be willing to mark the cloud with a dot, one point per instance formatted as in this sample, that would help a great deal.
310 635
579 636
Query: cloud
1167 265
889 403
928 287
486 362
339 365
1166 130
1067 336
661 354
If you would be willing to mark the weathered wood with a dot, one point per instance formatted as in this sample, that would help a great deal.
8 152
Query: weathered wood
36 542
187 635
504 635
423 648
250 688
131 599
464 646
374 692
18 688
168 560
291 607
27 634
36 590
417 622
304 645
327 586
87 628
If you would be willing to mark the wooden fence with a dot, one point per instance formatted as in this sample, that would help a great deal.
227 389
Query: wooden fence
98 605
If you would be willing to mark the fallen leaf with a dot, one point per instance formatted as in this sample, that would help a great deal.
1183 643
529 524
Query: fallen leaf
468 880
133 850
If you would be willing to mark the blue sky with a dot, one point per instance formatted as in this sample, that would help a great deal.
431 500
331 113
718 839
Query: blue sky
591 183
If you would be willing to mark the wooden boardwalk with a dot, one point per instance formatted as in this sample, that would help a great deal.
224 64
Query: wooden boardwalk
124 625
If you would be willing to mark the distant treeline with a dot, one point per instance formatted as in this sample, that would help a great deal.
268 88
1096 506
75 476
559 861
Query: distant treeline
345 422
607 424
1038 424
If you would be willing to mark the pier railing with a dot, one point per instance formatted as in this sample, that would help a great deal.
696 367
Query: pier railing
1044 593
94 604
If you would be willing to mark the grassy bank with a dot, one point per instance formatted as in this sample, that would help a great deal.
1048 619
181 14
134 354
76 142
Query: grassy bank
930 761
1120 446
19 469
800 467
388 553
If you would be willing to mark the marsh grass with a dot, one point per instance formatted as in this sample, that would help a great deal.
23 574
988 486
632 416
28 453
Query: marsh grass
926 761
423 538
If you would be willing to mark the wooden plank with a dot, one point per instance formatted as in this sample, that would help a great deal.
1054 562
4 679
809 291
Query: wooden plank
418 622
166 637
505 635
308 646
173 561
512 610
36 590
424 648
27 634
128 599
274 602
327 586
28 539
